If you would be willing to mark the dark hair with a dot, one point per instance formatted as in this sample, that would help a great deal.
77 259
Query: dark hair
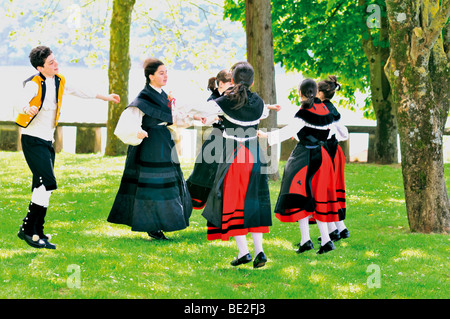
329 87
308 88
236 64
38 56
224 76
243 76
150 67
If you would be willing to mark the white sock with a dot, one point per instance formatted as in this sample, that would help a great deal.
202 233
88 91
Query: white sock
304 230
323 232
258 242
340 226
241 242
41 196
331 227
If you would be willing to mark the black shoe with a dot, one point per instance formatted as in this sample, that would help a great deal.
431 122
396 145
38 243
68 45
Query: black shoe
157 235
334 236
48 244
260 260
306 246
34 241
243 260
326 248
345 233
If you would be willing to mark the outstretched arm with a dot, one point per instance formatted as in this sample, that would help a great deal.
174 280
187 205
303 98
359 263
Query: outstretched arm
115 98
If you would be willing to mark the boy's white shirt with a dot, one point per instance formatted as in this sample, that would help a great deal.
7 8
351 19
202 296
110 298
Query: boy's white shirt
43 124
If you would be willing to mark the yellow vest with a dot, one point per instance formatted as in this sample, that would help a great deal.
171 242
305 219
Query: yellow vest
24 120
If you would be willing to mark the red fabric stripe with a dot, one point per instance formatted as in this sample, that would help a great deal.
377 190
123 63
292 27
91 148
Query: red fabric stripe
234 191
289 217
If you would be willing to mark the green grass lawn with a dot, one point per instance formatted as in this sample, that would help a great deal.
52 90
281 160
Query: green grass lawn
382 259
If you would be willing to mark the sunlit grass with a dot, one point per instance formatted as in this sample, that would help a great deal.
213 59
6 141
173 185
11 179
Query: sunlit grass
115 262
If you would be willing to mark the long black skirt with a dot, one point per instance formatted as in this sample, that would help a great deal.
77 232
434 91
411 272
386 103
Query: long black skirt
202 177
153 194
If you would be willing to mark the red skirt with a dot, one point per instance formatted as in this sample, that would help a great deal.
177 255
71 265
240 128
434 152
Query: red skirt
234 191
318 191
339 168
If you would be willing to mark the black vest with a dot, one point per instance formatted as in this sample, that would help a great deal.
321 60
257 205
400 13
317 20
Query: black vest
155 106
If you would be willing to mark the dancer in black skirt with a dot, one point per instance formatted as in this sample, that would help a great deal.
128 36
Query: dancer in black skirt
308 187
327 89
239 201
200 181
152 196
39 111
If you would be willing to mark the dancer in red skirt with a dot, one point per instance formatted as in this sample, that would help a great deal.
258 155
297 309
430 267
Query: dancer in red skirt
239 202
327 89
308 185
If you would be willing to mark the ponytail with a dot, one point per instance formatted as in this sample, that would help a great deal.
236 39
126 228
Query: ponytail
212 84
223 76
308 88
329 87
238 94
243 76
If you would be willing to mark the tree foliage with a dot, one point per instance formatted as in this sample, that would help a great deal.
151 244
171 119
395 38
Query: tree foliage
185 34
321 38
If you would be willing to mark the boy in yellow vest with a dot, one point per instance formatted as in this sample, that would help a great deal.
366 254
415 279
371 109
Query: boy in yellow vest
38 116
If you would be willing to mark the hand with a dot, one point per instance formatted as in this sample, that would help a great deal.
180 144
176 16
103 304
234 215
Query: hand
31 110
199 118
115 98
110 98
142 134
260 133
275 107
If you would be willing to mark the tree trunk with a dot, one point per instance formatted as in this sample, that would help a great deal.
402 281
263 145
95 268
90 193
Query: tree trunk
385 146
418 71
258 25
119 69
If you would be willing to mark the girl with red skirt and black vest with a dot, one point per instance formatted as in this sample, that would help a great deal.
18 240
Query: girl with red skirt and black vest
239 201
327 89
308 183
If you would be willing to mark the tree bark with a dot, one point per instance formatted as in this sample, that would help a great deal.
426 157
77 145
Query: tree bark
258 25
385 146
418 71
119 69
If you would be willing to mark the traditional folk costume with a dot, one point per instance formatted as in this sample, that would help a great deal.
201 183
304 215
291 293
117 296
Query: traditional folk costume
308 187
37 145
202 177
239 200
337 230
153 195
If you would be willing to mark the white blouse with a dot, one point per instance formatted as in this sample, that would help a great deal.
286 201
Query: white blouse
291 130
130 121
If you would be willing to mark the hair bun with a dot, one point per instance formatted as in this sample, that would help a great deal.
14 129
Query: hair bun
333 79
